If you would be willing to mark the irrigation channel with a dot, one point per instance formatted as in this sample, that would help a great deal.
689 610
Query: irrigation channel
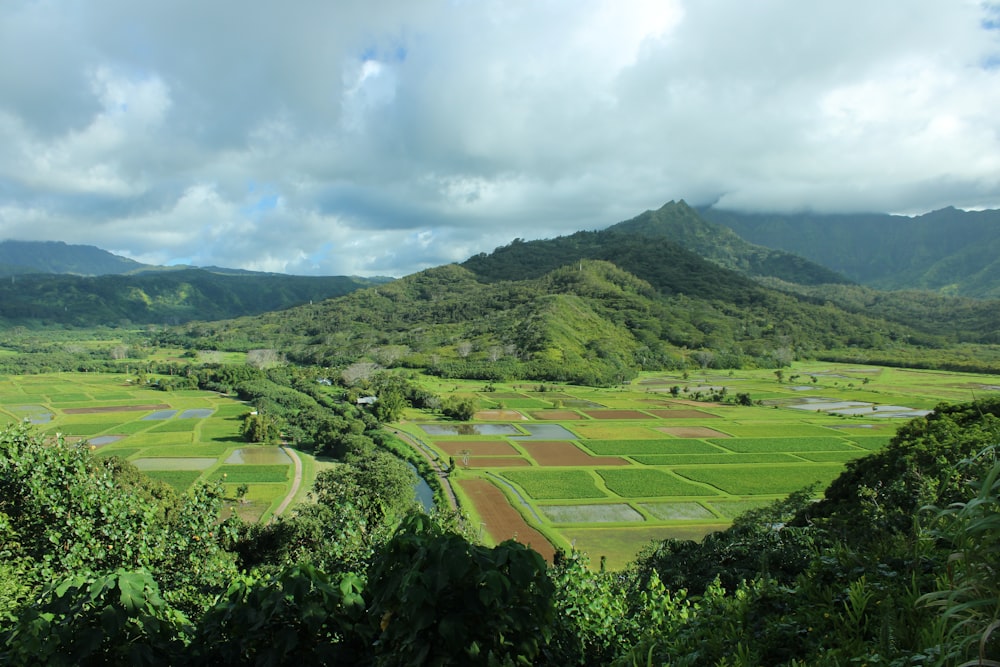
431 457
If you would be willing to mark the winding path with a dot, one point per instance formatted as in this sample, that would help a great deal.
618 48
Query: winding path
296 481
442 475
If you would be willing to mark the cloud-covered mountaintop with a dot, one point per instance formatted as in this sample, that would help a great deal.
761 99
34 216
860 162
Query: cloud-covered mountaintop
384 137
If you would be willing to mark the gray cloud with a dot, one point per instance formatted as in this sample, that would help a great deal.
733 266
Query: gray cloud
385 137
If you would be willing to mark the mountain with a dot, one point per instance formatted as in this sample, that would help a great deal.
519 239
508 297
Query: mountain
159 297
678 222
947 251
19 257
666 247
591 307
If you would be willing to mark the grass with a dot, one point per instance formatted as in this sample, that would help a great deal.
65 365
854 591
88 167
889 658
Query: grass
783 444
871 442
245 474
757 430
763 479
555 484
181 480
661 446
714 459
174 426
120 452
649 482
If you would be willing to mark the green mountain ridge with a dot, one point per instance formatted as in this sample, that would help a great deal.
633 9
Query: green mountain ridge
158 297
20 257
591 321
949 251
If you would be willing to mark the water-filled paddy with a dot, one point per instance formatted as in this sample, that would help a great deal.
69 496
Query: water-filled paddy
469 429
159 414
259 456
196 413
545 432
104 440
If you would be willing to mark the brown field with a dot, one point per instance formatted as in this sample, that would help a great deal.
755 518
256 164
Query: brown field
495 462
500 415
682 414
502 521
115 408
616 414
562 415
692 432
562 453
477 447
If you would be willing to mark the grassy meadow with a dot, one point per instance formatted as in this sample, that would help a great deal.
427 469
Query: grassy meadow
660 458
178 437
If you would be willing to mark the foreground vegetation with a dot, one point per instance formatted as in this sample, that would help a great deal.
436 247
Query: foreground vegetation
103 566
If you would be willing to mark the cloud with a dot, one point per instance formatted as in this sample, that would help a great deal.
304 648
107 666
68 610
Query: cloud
390 136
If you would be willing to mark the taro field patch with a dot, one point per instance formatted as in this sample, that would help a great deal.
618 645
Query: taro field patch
666 456
181 438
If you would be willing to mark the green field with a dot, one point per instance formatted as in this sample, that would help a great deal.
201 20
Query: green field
682 478
91 409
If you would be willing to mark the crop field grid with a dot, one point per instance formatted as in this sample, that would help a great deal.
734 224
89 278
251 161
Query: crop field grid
643 462
195 431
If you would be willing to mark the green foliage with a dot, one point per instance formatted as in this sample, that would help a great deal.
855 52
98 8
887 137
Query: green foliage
437 599
117 618
458 408
969 596
879 495
260 427
380 486
299 616
64 511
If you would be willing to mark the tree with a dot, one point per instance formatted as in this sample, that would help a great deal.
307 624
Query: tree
380 486
259 426
389 406
459 409
438 599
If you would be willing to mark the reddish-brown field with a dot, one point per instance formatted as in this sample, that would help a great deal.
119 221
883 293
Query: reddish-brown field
562 453
562 415
115 408
616 414
692 432
682 414
495 462
502 521
477 447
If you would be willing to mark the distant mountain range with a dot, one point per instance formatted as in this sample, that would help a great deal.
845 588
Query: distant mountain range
947 251
595 307
20 257
676 251
48 283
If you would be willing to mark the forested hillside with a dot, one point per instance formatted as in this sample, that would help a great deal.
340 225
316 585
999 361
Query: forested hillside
18 257
681 224
159 297
948 251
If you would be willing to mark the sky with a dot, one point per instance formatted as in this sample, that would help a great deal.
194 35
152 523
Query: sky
383 137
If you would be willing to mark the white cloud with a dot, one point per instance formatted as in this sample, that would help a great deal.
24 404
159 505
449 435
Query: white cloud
384 137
